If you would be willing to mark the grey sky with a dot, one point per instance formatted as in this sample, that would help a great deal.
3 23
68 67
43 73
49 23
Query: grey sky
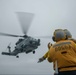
49 15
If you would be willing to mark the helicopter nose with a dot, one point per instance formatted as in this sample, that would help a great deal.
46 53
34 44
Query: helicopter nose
39 41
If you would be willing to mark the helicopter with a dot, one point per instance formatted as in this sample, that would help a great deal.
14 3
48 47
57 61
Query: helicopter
26 43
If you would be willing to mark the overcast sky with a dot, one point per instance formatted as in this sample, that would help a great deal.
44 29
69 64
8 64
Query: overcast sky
49 15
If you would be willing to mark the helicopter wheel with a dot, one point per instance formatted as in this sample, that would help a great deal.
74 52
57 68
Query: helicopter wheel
33 52
17 56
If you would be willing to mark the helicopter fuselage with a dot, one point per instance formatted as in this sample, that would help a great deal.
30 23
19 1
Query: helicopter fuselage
27 45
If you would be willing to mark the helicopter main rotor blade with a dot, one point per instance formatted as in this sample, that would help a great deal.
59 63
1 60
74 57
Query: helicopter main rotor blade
48 37
5 34
25 20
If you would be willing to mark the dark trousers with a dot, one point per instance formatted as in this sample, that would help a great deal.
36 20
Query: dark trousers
67 73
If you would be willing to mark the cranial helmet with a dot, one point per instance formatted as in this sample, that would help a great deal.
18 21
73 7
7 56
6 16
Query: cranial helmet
68 34
59 35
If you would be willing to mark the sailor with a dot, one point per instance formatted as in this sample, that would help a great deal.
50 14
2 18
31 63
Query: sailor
64 52
68 36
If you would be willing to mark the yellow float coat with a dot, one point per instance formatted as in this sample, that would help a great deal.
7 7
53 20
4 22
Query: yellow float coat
65 53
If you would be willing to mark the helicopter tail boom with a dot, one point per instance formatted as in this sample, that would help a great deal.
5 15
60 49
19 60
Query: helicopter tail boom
5 53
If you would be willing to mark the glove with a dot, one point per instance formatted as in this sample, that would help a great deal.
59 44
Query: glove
41 59
49 45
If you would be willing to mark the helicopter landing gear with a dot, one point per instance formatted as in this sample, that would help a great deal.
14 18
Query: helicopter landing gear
17 56
33 52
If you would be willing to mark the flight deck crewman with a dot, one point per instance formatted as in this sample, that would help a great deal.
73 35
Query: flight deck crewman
68 36
64 52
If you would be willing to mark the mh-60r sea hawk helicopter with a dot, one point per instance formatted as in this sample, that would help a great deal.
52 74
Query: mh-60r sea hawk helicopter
25 44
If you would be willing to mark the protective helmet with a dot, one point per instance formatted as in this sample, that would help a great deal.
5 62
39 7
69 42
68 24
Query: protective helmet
59 35
68 34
